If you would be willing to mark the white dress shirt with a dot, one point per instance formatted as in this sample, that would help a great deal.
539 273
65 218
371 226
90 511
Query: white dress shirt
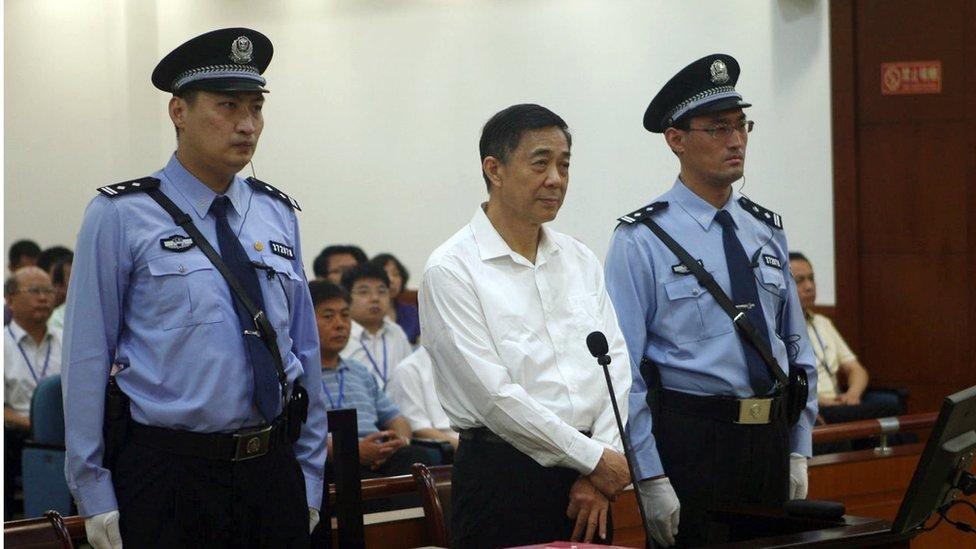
380 352
20 376
412 390
508 343
831 352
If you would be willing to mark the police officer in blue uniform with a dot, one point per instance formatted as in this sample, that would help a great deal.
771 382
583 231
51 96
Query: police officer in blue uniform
207 458
707 420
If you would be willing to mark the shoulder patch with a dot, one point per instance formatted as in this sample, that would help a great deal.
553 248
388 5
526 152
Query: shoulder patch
646 211
128 187
768 217
269 189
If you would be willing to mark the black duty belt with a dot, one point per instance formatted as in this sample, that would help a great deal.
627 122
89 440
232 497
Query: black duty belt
744 411
238 446
484 434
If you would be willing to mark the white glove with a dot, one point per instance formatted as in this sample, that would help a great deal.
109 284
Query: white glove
313 518
103 531
663 509
798 476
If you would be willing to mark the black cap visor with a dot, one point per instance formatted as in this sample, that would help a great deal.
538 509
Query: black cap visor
224 85
726 104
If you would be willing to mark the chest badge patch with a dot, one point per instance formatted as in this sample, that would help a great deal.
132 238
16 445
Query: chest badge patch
683 269
772 261
177 243
284 251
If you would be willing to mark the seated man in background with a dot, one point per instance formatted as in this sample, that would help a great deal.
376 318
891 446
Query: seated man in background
23 253
347 384
334 261
835 357
376 341
412 390
30 352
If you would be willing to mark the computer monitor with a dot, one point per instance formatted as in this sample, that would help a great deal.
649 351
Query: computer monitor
947 456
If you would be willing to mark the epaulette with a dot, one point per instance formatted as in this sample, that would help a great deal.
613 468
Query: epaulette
768 217
635 216
266 188
128 187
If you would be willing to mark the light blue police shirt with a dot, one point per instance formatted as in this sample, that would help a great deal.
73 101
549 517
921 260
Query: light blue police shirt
167 317
351 385
666 316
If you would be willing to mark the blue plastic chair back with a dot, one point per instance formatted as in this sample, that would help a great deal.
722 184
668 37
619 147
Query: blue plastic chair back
47 412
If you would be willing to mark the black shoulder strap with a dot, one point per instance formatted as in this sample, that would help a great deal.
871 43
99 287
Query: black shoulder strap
265 330
269 189
739 318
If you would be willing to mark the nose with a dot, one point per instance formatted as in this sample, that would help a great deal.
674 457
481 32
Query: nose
554 177
246 125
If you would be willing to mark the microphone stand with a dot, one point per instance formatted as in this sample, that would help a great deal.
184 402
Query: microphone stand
604 360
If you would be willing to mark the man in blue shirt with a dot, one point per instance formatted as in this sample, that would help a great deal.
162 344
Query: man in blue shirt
719 434
348 384
208 459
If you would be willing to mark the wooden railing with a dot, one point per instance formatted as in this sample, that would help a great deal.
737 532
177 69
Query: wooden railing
873 427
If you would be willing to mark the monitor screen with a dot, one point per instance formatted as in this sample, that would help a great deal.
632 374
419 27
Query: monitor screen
948 452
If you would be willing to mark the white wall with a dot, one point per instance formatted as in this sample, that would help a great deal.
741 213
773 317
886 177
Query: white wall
377 106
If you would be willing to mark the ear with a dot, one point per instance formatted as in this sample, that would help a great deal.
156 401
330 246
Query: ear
177 111
675 139
494 169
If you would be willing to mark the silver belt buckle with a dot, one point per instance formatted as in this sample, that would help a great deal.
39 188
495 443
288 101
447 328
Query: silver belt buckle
252 444
754 411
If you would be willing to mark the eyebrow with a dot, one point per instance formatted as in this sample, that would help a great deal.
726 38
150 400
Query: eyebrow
546 151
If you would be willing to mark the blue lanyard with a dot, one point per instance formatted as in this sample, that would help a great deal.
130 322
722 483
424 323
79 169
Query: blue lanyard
823 348
47 357
328 394
372 361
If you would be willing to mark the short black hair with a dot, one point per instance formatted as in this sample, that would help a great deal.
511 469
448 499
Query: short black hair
799 255
364 271
382 259
22 248
52 255
321 264
323 290
503 132
60 268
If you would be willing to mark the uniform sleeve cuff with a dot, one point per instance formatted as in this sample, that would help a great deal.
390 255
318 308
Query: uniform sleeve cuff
314 491
96 499
801 441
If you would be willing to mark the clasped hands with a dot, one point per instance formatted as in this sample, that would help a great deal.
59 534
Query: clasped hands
590 496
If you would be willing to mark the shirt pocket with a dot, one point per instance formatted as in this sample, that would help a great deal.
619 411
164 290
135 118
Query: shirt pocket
185 285
583 308
279 282
694 313
772 293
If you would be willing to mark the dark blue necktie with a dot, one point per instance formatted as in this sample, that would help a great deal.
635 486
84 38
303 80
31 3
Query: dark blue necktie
746 298
266 389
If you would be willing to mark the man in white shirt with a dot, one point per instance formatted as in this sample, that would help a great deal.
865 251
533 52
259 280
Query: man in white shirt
374 341
412 390
30 352
505 308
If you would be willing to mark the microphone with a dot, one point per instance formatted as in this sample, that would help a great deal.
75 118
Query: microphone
596 342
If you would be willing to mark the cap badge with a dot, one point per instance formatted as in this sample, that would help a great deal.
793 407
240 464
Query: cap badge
241 50
720 74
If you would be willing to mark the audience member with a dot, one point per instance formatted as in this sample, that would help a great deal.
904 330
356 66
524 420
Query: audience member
376 341
52 255
30 352
334 261
834 357
404 314
60 275
23 253
348 384
412 390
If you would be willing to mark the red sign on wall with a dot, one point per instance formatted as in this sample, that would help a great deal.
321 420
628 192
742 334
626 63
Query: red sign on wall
911 77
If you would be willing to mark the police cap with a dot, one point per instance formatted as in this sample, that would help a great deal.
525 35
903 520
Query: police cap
705 86
224 60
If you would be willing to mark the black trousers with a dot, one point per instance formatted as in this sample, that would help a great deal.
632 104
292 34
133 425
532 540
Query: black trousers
501 497
718 464
168 500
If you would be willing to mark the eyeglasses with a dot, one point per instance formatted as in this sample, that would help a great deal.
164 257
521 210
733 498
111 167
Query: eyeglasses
37 290
366 292
724 131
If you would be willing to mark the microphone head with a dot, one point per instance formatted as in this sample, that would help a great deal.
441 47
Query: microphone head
596 342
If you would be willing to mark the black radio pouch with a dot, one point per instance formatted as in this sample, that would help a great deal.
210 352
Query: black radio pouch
115 427
796 394
297 412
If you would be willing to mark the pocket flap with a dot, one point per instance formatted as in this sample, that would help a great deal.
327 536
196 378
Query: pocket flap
178 264
683 288
280 265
